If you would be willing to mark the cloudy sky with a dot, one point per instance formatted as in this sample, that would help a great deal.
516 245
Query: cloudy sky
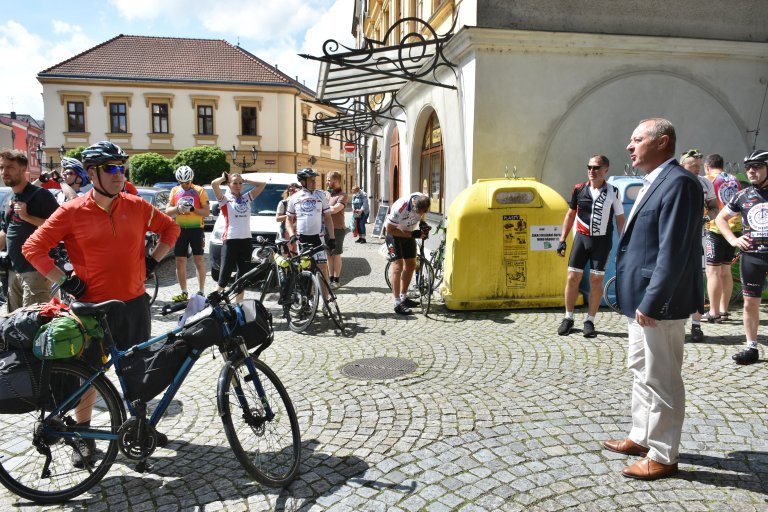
36 36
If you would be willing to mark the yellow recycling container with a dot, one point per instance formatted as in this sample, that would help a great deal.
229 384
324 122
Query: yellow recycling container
501 246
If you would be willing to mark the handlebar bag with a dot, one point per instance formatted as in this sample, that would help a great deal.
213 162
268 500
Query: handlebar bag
254 324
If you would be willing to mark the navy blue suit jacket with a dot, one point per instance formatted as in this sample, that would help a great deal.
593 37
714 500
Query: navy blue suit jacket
658 259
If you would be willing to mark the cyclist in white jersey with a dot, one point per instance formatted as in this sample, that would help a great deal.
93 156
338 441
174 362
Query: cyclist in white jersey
308 214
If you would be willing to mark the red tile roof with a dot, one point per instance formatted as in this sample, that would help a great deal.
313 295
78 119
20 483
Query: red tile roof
170 59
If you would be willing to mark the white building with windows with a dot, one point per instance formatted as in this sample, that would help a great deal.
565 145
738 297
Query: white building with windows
541 85
165 94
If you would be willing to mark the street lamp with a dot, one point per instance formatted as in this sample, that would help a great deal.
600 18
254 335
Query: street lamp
40 154
243 164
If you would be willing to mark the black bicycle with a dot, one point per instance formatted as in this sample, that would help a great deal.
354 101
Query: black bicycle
423 282
303 284
259 419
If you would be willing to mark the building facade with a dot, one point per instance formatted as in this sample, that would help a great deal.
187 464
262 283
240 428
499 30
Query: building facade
163 95
538 86
24 133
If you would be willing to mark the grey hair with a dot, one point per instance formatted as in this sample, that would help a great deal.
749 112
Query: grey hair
661 127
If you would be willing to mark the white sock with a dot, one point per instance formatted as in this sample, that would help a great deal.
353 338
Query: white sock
589 318
402 297
569 314
695 322
398 302
751 344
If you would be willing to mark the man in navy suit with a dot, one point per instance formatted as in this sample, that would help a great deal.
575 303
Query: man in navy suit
658 263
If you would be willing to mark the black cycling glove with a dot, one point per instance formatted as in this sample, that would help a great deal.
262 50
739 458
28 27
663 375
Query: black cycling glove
330 244
416 233
74 286
293 239
561 248
151 264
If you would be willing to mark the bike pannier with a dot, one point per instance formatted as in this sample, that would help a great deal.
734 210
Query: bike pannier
147 374
18 330
203 334
254 324
19 381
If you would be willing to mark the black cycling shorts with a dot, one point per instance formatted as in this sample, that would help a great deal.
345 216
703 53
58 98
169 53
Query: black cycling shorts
190 237
309 241
401 248
754 268
718 250
594 249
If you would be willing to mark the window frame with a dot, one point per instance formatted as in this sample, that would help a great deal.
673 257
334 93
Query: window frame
80 115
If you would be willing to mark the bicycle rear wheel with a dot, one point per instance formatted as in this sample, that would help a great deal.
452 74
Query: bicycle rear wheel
25 442
425 281
304 298
331 306
267 445
609 294
151 286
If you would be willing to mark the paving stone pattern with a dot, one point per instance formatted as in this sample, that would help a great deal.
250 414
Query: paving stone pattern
500 414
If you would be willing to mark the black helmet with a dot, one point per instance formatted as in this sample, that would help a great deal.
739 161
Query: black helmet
306 173
101 152
759 156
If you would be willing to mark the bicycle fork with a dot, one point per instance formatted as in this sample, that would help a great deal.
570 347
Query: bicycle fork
253 421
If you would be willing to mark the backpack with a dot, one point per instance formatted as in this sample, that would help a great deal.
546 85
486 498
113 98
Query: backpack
65 336
18 329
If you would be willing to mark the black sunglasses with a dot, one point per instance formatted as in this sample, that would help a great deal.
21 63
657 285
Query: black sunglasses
594 167
753 165
693 153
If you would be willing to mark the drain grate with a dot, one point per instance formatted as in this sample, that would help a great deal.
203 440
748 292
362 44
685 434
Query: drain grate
378 368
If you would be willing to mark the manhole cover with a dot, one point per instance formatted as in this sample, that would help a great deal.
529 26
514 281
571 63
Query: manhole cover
378 368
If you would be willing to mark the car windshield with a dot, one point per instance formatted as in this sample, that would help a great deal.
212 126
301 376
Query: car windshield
266 202
147 196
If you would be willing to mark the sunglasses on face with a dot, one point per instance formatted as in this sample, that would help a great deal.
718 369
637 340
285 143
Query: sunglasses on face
753 166
111 169
594 167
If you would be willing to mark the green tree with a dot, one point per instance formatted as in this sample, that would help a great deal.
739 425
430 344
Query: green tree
207 162
149 168
75 153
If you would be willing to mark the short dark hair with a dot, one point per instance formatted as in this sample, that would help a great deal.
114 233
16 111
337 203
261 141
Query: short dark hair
422 203
714 161
603 160
14 155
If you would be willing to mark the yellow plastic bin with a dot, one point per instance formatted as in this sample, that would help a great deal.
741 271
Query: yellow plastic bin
501 246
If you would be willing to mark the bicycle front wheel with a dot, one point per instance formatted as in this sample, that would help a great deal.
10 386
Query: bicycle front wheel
151 286
37 459
261 427
304 298
609 295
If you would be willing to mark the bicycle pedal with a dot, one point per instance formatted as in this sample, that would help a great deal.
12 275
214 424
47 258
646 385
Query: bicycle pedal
143 467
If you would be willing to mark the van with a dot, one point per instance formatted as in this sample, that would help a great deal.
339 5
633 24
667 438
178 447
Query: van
263 210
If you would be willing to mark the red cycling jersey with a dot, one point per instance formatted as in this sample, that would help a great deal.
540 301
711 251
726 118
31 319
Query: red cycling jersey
106 249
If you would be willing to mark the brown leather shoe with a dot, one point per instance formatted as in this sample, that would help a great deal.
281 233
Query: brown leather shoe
649 469
626 446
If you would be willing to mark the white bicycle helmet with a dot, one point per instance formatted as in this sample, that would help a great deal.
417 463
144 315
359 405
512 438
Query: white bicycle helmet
184 173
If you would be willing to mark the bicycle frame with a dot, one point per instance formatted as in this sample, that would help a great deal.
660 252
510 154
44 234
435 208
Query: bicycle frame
116 356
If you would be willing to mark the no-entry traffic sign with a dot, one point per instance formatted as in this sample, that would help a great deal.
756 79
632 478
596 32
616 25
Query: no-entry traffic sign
349 147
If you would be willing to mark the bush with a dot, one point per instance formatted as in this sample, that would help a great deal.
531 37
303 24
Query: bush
207 162
75 153
149 168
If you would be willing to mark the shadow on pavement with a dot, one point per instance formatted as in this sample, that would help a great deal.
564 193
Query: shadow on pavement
740 469
353 267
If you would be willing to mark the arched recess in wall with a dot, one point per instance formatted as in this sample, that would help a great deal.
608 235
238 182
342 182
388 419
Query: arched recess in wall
601 119
394 166
429 168
375 160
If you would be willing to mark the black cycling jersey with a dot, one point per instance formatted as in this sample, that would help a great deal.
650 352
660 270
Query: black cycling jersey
752 203
593 215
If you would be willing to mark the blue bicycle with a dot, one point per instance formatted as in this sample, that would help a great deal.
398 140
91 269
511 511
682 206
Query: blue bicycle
80 416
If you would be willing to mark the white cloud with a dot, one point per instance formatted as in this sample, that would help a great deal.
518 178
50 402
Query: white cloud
25 55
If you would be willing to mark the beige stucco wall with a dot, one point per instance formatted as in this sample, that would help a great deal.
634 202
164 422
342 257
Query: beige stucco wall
545 102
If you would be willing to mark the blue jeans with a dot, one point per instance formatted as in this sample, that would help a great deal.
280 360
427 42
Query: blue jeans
360 224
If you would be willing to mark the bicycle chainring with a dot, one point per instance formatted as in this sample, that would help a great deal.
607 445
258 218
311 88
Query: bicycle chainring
132 445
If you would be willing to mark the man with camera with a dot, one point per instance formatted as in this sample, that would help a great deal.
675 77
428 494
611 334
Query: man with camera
30 207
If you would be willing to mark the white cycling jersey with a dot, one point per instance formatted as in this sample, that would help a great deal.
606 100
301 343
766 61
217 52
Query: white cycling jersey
403 215
237 214
308 207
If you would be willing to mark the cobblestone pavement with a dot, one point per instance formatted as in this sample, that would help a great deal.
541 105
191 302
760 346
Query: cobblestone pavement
499 414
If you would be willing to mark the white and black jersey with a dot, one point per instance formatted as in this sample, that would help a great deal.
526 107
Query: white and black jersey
593 208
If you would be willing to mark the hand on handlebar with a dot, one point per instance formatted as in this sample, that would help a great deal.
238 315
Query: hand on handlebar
74 286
